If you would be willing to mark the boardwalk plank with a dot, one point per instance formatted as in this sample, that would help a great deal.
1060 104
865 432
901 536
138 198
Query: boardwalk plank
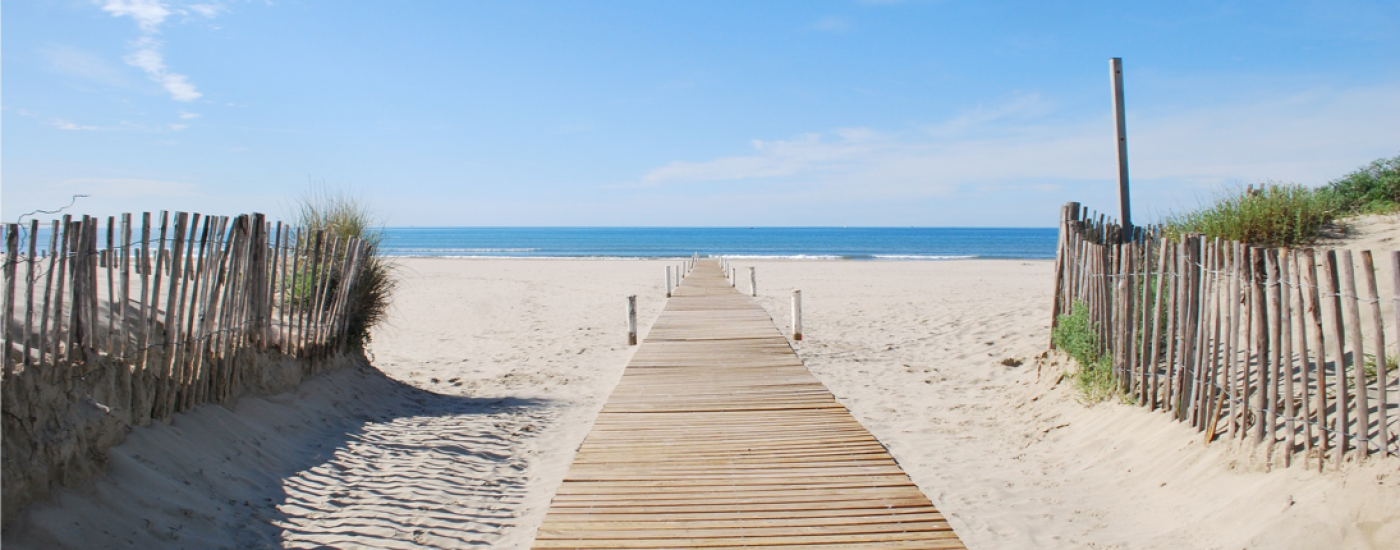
718 436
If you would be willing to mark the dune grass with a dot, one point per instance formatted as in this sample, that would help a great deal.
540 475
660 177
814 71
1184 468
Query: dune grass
1075 335
1273 215
1285 214
347 216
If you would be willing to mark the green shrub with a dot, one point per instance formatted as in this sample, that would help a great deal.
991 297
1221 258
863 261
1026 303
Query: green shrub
1370 189
1274 215
1077 336
346 216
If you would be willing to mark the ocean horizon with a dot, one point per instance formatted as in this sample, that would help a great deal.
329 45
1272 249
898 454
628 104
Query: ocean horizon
789 243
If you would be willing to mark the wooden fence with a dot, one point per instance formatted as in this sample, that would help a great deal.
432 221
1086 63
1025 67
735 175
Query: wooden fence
1281 349
172 308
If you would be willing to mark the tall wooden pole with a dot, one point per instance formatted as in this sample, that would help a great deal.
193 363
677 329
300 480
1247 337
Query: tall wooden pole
1120 131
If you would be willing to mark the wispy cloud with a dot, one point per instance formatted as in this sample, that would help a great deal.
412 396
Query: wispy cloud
70 125
19 111
1020 106
71 61
147 53
208 11
188 116
128 187
149 58
1307 137
831 24
148 14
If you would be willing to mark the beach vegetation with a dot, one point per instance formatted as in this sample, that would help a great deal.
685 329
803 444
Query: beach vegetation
1371 367
1286 215
347 216
1271 215
1077 336
1371 189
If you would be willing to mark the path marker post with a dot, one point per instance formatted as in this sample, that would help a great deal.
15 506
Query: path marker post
796 314
632 320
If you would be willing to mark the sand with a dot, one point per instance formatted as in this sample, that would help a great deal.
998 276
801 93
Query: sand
492 370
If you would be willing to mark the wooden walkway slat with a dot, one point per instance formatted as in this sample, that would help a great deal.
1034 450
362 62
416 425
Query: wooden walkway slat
718 436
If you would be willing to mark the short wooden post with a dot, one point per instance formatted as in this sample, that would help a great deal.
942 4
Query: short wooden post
11 262
29 278
1378 347
1360 400
733 276
796 314
668 281
753 281
632 320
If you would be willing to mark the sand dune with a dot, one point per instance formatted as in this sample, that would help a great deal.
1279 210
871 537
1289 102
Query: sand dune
915 351
491 373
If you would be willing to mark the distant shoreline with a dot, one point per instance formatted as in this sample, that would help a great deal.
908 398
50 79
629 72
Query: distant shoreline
737 244
905 258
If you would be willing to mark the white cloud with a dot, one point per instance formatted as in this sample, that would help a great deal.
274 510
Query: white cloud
149 14
146 51
188 116
178 127
147 57
208 11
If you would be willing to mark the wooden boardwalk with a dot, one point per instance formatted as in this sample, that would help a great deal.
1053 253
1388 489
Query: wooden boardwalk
718 436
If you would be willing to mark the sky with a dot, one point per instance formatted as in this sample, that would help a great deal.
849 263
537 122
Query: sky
715 113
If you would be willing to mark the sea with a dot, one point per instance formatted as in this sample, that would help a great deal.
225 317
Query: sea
790 243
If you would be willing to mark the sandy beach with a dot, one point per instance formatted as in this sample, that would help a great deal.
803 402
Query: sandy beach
490 372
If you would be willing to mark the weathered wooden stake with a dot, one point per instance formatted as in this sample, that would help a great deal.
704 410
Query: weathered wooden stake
1358 354
796 314
753 281
668 281
1318 342
11 261
1338 340
1368 264
27 343
1381 374
632 320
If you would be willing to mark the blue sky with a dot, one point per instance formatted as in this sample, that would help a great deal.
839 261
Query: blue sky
938 113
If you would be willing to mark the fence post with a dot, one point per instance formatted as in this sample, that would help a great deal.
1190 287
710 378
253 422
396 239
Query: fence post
796 314
1068 213
753 281
11 261
632 320
668 281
